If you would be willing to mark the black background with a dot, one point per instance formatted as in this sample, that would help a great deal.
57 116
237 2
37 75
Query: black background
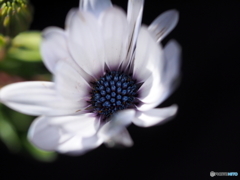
203 137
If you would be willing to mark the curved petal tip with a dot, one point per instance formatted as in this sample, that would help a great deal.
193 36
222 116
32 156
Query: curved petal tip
155 116
164 24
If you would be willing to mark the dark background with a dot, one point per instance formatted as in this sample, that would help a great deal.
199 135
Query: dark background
203 137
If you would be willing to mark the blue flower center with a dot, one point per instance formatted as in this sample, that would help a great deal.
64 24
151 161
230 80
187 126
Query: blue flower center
113 92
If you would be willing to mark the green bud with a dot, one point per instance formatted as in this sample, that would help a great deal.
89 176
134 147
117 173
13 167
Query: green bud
8 134
26 47
15 16
6 21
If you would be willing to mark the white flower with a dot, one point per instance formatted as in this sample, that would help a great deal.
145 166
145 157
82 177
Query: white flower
109 71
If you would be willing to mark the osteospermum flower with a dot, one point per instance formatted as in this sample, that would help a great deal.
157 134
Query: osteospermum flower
109 71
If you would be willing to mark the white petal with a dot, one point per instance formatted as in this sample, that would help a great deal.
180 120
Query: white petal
151 90
159 93
70 83
148 55
115 34
164 24
54 47
45 136
83 125
116 125
134 16
37 98
72 12
60 106
96 7
48 136
154 116
78 145
121 139
73 144
170 77
85 42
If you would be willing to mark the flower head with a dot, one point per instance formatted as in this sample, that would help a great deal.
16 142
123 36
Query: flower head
109 71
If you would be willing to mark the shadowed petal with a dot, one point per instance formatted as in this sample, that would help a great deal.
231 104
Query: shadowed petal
164 24
171 71
154 116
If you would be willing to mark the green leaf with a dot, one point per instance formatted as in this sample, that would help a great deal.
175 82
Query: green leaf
23 69
20 121
9 135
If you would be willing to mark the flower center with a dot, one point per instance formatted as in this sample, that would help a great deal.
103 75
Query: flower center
113 92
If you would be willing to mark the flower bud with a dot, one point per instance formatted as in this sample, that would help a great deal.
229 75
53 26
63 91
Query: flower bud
26 46
15 16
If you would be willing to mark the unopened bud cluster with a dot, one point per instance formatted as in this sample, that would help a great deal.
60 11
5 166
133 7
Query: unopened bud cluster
15 16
